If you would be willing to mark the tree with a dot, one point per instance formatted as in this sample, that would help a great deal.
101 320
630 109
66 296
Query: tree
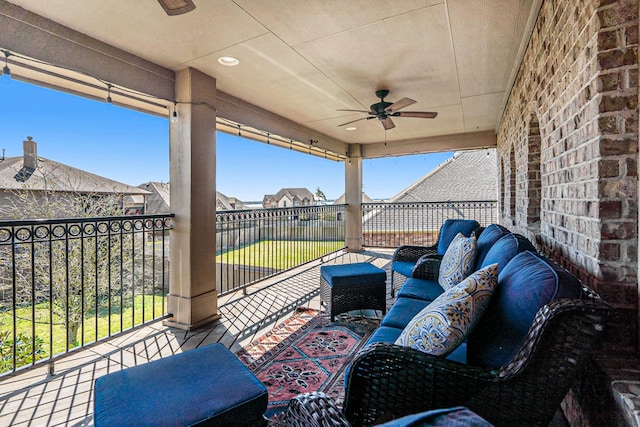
74 267
320 195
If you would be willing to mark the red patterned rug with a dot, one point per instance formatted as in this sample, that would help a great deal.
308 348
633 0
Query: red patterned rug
306 353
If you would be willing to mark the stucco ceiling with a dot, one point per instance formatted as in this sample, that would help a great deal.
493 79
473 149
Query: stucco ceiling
304 60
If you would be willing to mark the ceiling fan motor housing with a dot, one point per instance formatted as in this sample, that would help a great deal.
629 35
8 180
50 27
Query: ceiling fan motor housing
379 107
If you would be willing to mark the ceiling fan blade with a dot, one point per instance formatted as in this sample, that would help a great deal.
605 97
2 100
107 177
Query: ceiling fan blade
357 111
388 123
419 114
353 121
404 102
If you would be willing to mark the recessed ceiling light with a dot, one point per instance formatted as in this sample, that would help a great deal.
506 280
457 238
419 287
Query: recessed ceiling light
351 128
228 61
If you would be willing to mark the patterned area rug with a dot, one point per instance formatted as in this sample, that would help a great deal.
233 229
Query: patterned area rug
306 353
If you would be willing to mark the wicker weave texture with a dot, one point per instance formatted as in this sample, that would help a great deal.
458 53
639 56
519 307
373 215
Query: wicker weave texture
340 299
388 381
313 410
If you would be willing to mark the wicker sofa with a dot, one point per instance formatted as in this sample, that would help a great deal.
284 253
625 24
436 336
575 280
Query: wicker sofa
515 367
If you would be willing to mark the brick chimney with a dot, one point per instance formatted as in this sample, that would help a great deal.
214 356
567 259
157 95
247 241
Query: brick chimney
30 148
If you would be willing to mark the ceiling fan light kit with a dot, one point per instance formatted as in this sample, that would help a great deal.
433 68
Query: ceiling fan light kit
177 7
384 110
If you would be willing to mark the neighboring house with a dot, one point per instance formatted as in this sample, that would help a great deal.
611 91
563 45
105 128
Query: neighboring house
225 203
158 200
341 200
469 176
57 190
288 197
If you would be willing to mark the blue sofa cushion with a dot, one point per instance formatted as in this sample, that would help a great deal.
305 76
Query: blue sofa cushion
505 249
525 285
458 416
489 236
423 289
459 354
359 273
204 384
451 228
384 334
402 311
403 267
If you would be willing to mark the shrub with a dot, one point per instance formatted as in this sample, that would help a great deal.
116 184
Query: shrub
27 350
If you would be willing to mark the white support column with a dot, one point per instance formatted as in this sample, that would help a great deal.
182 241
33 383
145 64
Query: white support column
353 198
193 297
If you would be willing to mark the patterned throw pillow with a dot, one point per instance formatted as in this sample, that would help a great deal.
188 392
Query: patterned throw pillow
458 261
445 323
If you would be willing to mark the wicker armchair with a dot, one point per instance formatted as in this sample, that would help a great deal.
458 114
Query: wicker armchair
387 381
405 257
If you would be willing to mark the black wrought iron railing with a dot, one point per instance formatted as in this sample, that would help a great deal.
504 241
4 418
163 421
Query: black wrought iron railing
255 244
396 224
65 283
68 283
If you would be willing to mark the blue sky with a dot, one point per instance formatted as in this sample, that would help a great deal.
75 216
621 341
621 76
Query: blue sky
133 148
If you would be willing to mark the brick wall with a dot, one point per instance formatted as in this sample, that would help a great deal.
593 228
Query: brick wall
570 132
578 83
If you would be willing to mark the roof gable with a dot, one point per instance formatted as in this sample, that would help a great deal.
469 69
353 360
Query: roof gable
468 176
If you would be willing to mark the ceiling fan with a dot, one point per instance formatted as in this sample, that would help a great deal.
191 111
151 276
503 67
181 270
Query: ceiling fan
383 111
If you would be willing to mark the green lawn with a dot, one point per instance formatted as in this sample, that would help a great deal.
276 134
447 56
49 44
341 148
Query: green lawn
129 317
279 254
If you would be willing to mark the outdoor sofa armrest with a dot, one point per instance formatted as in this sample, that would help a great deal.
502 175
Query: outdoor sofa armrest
387 381
313 410
409 253
427 267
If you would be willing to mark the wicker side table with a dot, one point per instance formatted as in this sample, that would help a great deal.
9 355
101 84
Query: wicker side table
346 287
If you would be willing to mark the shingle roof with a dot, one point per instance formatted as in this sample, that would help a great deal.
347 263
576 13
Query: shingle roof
340 200
292 193
53 176
158 200
225 202
468 175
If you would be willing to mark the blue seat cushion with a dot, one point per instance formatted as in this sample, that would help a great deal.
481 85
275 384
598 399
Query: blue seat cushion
204 384
423 289
403 267
507 247
451 228
402 311
459 354
487 238
384 334
458 416
359 273
526 284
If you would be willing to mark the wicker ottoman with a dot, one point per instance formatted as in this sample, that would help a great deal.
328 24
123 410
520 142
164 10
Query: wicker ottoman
346 287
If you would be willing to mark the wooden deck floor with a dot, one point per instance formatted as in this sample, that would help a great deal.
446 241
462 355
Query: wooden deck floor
35 398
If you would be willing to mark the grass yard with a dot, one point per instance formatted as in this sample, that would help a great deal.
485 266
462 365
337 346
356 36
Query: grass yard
120 319
279 254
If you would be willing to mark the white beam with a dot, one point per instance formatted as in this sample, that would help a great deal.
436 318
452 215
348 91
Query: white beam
433 144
